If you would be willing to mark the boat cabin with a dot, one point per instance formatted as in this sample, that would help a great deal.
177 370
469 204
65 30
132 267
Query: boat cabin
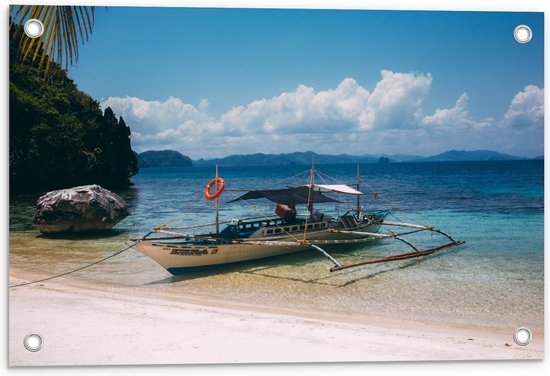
254 228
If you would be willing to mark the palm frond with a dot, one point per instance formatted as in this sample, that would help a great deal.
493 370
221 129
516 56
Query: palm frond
64 26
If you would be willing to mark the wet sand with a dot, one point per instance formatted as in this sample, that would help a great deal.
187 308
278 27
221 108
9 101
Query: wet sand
97 325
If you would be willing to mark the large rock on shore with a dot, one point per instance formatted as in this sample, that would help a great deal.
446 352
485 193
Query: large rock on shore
84 208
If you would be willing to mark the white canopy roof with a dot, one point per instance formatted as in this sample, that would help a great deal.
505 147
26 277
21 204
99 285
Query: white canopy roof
340 188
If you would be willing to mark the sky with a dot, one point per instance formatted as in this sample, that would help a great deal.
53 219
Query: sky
214 82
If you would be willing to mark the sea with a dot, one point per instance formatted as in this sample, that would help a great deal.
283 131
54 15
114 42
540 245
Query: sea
495 280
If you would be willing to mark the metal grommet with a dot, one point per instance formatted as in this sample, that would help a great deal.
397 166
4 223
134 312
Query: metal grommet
523 34
33 342
34 28
522 336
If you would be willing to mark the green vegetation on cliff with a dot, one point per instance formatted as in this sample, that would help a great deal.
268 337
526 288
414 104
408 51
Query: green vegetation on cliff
59 137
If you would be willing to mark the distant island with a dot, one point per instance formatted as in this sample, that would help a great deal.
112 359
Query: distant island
476 155
170 158
304 158
163 158
297 158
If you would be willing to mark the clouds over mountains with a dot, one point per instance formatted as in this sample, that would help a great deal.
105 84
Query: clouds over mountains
348 118
526 109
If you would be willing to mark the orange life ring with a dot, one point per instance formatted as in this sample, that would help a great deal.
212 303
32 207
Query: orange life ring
221 186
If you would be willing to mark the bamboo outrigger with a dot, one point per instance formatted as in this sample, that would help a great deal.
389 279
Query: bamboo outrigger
287 232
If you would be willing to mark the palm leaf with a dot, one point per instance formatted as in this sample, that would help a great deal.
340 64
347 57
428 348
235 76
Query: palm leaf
64 26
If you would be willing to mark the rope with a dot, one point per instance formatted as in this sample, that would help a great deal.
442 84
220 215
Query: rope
76 270
337 194
280 181
273 183
405 214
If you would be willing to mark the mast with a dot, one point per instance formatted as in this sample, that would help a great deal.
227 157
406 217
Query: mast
311 182
358 188
217 206
309 203
312 174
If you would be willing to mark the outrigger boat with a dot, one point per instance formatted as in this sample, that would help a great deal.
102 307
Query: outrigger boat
286 232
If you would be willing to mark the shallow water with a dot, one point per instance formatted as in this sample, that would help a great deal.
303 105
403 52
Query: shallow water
495 280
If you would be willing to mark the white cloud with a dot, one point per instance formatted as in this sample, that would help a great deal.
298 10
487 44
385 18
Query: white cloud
157 123
456 117
348 107
346 119
303 111
526 109
396 99
154 114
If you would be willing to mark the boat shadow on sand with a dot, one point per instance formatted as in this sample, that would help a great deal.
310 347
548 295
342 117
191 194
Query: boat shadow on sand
271 268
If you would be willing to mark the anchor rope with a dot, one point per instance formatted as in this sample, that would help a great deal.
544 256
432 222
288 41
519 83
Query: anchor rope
78 269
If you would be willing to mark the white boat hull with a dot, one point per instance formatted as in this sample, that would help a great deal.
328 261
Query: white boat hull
179 257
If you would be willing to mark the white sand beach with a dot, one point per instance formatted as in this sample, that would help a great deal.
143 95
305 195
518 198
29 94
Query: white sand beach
84 326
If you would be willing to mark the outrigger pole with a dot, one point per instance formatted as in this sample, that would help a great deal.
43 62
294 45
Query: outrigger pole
375 236
403 256
327 255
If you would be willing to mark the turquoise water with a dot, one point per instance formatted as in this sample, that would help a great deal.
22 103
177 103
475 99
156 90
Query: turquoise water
496 279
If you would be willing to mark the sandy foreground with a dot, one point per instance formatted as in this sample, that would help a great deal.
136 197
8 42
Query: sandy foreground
83 326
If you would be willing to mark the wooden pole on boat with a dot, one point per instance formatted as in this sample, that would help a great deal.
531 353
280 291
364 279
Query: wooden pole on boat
399 257
324 253
217 206
358 188
309 201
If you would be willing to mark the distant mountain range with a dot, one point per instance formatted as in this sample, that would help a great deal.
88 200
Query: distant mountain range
168 158
304 158
297 158
476 155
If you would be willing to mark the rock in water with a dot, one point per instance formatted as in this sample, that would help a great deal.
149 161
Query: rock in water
85 208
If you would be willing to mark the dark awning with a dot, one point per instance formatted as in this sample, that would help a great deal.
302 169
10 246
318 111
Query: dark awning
289 196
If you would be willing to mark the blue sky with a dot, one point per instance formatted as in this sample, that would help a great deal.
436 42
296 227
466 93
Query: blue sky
213 82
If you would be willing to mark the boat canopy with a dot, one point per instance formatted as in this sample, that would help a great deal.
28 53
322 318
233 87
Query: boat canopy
339 188
299 195
287 196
